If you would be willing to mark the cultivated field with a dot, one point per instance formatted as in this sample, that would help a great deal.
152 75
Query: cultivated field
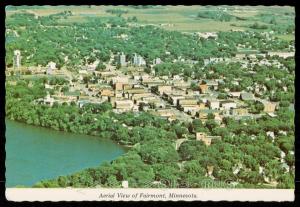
177 18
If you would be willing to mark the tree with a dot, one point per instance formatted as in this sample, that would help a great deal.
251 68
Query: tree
112 181
100 66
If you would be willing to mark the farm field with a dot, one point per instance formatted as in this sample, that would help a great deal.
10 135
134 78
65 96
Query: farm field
176 18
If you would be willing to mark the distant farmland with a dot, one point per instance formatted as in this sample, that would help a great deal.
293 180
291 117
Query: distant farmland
177 18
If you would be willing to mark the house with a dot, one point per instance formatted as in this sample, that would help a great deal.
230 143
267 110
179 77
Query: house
118 86
191 109
138 96
203 88
136 90
164 89
181 84
48 100
107 92
120 79
212 84
178 91
282 54
173 99
156 61
51 65
238 111
269 107
165 112
228 104
138 60
271 135
234 94
247 96
182 102
202 106
127 86
150 82
213 104
240 55
124 184
122 59
218 119
201 136
206 35
203 113
124 105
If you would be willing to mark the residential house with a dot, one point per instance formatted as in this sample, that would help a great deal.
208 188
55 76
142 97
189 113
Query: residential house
234 94
48 100
228 104
269 107
245 96
213 104
124 105
201 136
107 92
138 60
183 102
239 111
164 88
173 99
203 88
122 59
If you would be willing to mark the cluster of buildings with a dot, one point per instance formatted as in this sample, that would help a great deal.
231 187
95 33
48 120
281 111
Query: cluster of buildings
168 97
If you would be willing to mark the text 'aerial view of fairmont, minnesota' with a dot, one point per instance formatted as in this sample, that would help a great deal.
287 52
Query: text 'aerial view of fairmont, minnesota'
150 96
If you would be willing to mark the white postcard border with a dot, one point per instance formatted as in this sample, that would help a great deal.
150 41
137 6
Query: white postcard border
142 194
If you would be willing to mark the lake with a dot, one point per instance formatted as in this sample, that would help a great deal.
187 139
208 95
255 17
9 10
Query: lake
36 153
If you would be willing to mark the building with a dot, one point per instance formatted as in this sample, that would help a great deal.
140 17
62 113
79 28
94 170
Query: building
203 88
239 111
269 107
138 60
48 100
157 61
164 89
212 84
201 136
124 105
107 92
228 104
122 59
234 94
247 96
206 35
173 99
165 113
120 79
51 65
189 102
213 104
281 54
17 59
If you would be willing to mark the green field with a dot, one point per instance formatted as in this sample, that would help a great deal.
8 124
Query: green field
287 37
177 18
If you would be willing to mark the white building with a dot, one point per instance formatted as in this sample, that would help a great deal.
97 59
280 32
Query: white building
122 59
51 65
157 61
213 104
138 60
17 59
228 104
48 100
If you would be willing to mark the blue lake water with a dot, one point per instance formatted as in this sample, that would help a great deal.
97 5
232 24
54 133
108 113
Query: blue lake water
35 153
